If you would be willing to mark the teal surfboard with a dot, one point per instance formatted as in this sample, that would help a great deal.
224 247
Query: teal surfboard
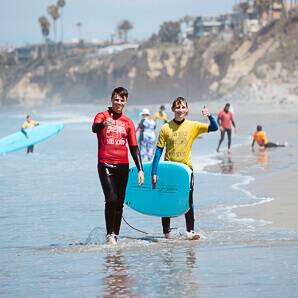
18 140
169 198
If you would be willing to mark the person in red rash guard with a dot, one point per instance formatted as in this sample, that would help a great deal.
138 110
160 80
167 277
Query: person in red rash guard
114 131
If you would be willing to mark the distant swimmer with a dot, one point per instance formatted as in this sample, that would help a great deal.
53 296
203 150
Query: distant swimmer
260 137
161 115
146 129
177 136
29 123
114 132
225 121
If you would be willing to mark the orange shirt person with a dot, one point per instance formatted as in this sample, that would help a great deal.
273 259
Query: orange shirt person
260 137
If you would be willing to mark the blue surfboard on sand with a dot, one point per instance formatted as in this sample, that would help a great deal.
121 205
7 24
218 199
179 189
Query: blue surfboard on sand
18 140
169 198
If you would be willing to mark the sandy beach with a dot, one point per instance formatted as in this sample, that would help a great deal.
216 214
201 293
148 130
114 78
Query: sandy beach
275 171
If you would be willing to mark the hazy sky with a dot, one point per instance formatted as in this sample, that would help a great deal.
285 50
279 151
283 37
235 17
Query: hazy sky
19 18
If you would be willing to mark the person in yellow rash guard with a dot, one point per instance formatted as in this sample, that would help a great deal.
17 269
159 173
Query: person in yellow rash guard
160 115
178 136
260 137
29 123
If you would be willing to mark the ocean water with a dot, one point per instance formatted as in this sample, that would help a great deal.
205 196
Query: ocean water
52 235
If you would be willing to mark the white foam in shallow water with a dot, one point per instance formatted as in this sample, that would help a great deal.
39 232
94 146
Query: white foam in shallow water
228 213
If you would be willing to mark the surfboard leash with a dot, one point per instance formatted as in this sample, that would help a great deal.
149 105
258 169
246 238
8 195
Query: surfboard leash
134 227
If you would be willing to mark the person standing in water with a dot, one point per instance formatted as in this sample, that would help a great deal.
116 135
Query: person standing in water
225 121
161 115
178 136
114 130
260 137
146 128
28 124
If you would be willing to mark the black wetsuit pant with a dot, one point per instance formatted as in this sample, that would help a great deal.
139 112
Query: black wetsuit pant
189 215
222 136
30 149
272 145
113 180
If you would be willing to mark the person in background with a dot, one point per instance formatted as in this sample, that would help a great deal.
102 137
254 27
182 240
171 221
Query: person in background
114 130
146 128
260 137
161 115
28 124
225 121
178 136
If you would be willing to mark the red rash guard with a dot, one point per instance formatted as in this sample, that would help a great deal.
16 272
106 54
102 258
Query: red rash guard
226 119
112 147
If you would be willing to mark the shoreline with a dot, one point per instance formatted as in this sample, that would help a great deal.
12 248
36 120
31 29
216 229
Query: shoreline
275 171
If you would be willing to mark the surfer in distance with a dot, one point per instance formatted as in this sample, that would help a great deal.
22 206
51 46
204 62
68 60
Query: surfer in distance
225 121
29 123
260 137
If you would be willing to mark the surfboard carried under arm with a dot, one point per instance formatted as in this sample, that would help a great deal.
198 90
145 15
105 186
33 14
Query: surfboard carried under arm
170 197
19 140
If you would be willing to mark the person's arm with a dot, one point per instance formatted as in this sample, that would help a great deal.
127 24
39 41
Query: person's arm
213 125
233 123
157 155
253 145
96 127
23 131
218 121
135 153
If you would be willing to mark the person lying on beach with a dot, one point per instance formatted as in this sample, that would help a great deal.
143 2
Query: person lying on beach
260 137
178 136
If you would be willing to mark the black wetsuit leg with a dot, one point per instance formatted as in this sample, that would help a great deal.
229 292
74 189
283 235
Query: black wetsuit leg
30 149
189 215
229 133
113 180
222 136
272 145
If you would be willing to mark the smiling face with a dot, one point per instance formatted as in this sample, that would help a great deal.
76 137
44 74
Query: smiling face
118 103
180 110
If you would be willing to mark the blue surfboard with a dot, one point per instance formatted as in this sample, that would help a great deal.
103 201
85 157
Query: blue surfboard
170 197
18 140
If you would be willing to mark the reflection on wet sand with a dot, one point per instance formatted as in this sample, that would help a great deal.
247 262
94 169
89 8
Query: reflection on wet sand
262 157
180 273
227 165
117 281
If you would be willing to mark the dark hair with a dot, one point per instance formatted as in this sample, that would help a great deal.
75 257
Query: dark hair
162 107
179 100
121 91
227 105
259 128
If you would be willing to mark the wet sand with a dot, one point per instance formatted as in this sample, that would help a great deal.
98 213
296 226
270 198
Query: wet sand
275 170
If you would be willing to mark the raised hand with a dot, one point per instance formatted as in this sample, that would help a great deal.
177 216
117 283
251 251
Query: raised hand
205 112
109 121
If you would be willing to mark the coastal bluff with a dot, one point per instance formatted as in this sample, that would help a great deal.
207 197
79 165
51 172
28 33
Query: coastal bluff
263 66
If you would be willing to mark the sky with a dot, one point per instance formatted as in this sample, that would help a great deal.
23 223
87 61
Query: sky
19 18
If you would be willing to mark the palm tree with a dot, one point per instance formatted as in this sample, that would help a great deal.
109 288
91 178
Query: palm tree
54 13
45 30
124 27
61 4
79 26
263 7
